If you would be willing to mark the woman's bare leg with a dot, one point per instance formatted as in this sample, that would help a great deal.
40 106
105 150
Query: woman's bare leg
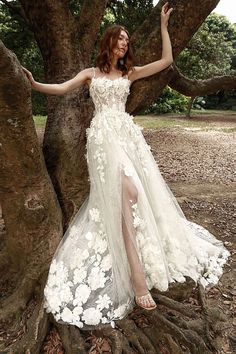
129 198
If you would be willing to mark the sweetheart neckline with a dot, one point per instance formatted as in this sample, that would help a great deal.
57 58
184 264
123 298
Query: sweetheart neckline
107 78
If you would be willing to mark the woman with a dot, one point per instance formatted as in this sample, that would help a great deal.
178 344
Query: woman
130 235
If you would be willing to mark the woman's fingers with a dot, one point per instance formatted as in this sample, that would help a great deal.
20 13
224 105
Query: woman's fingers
165 11
26 70
165 7
28 74
169 11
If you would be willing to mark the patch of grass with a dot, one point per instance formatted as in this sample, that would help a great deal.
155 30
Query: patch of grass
228 130
168 122
217 129
209 112
204 122
39 121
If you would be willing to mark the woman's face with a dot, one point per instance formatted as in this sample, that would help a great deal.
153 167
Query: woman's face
122 45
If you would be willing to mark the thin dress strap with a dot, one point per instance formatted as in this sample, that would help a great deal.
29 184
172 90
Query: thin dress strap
93 72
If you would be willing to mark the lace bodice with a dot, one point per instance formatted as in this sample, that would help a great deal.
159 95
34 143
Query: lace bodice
109 94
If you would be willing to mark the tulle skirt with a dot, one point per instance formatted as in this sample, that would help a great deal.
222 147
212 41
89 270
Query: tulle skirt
130 224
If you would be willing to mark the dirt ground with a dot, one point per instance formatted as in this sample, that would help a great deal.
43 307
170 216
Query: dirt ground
199 167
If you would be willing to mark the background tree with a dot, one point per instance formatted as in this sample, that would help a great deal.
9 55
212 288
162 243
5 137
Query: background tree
41 190
128 13
210 51
17 36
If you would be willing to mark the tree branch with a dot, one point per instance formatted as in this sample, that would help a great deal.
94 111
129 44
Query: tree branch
151 23
54 37
183 24
87 28
185 20
189 87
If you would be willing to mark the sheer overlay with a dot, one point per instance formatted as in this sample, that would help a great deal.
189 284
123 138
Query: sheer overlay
130 232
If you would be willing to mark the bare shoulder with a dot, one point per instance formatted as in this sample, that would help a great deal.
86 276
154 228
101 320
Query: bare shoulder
88 74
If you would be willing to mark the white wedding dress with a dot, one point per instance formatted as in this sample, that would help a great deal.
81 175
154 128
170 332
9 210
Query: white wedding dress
129 217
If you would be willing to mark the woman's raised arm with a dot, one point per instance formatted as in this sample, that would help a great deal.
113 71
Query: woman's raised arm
64 87
166 58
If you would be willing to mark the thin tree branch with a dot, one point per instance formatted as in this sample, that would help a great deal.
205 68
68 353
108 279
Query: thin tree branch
189 87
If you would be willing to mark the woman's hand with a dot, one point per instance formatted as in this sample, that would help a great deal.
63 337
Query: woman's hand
29 76
165 14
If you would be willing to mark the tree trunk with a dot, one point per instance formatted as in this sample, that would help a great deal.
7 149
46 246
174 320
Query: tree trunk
190 105
68 116
39 197
30 207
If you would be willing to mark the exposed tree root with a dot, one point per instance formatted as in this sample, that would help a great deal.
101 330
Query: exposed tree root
153 332
186 310
14 305
194 325
72 339
173 327
206 311
188 338
119 342
172 346
136 337
27 334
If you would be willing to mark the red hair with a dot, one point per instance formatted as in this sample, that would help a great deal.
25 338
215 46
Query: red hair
107 43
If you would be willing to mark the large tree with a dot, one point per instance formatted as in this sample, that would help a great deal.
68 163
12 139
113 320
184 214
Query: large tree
41 190
210 52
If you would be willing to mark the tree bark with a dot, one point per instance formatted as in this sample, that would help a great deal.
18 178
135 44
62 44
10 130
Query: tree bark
29 203
68 116
87 29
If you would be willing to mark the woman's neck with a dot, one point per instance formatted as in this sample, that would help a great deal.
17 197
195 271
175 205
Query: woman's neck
114 64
